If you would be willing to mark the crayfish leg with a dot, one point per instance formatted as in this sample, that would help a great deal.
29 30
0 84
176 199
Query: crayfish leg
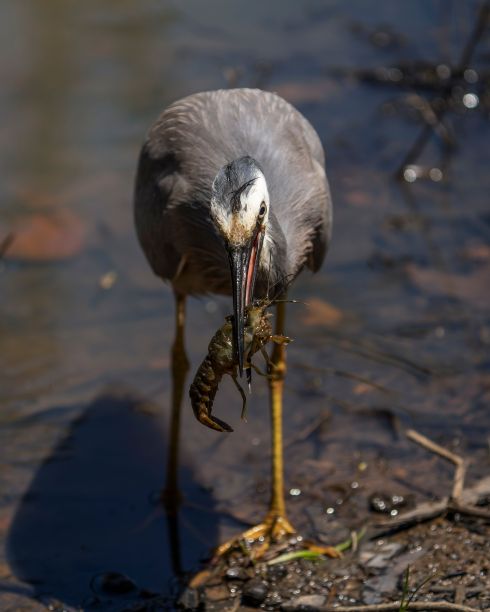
244 397
278 339
248 372
268 360
259 371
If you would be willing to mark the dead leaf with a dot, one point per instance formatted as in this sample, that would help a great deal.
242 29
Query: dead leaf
5 243
159 363
199 579
42 200
49 237
357 197
319 312
362 389
301 93
472 288
477 252
6 520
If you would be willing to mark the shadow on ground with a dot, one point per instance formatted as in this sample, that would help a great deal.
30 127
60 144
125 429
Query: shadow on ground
91 509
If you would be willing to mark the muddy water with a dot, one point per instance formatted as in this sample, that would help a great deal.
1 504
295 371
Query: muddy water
396 331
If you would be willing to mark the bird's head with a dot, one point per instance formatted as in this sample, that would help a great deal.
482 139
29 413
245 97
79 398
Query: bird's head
240 210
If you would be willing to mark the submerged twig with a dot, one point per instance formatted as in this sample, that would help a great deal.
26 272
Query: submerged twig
344 374
461 500
458 461
308 430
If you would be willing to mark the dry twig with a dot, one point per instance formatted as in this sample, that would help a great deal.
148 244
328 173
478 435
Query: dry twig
461 500
458 461
440 606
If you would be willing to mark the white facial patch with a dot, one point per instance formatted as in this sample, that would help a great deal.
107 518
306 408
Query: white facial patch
237 227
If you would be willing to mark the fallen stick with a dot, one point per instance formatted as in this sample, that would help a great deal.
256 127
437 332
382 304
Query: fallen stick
469 510
421 513
441 606
461 500
458 461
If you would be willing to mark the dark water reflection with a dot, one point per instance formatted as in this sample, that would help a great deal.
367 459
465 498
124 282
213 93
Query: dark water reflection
93 505
407 276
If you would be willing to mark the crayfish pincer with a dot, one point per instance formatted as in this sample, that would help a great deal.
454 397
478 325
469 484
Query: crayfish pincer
220 361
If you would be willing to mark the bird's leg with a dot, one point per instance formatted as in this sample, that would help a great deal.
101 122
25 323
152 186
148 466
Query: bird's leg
180 367
276 524
276 517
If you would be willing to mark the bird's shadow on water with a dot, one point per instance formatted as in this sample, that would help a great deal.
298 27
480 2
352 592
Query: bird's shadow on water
91 508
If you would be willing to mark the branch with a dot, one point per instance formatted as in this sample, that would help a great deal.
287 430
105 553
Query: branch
458 461
441 606
461 500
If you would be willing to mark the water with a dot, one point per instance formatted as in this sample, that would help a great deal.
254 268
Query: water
84 370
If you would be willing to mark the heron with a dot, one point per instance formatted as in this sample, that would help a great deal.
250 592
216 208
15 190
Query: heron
231 197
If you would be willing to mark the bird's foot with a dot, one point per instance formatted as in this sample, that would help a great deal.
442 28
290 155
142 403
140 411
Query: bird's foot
272 530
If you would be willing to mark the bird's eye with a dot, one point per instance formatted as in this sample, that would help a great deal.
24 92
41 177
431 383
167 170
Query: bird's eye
262 210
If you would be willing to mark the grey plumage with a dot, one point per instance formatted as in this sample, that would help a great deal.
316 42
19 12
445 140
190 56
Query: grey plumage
186 147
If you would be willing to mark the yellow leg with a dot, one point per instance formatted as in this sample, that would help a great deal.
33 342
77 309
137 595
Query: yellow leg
180 367
276 516
276 524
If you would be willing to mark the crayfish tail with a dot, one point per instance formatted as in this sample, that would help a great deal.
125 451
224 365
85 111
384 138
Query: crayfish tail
214 423
202 393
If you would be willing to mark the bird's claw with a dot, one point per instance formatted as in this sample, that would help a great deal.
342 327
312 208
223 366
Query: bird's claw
273 529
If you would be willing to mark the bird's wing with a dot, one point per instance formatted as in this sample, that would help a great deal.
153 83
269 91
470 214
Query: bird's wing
322 232
158 184
172 216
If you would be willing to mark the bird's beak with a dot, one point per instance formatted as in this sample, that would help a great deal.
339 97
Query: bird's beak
244 262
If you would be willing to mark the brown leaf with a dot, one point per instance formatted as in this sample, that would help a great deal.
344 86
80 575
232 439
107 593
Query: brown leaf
477 252
47 237
6 520
357 197
319 312
301 93
362 388
473 288
159 363
199 579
